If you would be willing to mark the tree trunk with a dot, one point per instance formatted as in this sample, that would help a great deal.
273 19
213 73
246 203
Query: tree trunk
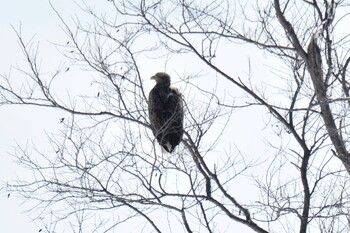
314 66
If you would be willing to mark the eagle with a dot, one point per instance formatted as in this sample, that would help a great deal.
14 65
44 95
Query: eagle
165 111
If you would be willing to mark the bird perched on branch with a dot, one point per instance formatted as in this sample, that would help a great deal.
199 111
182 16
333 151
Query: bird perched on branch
166 114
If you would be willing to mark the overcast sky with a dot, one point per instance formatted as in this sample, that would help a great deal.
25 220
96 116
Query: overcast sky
36 19
19 125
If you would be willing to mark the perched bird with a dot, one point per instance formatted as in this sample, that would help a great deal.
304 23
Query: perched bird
165 111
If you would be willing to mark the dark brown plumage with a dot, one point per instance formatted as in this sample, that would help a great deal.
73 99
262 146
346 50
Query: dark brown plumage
165 112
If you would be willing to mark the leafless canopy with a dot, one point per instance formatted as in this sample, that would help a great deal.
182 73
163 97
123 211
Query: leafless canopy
104 170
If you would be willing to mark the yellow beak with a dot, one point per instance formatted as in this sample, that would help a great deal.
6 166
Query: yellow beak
153 77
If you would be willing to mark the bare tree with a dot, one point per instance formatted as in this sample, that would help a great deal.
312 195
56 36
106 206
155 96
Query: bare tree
105 166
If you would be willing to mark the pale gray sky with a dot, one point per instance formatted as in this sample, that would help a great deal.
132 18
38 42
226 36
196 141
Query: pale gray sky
21 125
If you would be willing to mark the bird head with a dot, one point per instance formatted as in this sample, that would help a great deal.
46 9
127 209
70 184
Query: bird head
161 78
